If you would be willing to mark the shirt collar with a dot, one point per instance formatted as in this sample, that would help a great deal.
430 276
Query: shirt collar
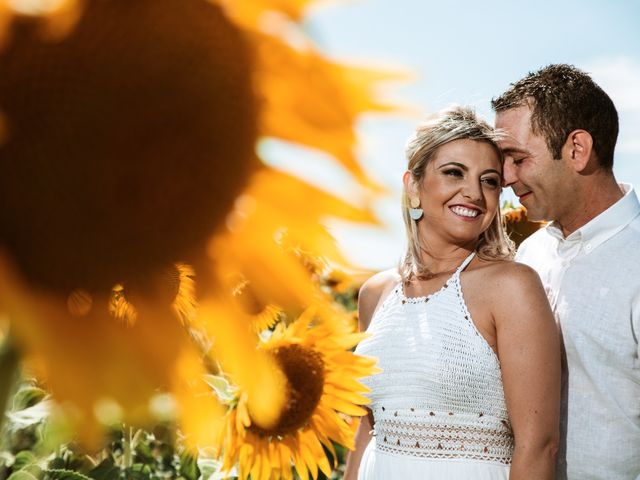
606 224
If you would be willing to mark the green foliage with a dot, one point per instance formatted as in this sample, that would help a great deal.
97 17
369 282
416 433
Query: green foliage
130 455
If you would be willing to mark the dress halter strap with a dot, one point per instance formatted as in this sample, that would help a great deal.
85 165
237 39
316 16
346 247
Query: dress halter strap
465 263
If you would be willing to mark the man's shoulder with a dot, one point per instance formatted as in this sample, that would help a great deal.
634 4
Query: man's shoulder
633 229
626 240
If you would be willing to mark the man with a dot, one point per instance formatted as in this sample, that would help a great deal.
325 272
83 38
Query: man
561 129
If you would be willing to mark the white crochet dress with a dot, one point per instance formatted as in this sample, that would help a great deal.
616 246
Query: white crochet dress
438 404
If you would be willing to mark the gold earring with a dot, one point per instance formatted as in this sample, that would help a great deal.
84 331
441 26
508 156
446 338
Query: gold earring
414 202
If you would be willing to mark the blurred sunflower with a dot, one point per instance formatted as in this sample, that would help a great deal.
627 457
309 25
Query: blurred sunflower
322 392
518 226
338 281
176 284
127 143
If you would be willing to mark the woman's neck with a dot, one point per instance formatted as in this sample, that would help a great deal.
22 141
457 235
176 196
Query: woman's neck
440 257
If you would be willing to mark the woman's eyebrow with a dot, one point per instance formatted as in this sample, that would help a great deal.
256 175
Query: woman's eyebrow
461 165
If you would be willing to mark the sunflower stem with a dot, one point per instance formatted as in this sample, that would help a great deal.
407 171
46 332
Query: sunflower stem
127 437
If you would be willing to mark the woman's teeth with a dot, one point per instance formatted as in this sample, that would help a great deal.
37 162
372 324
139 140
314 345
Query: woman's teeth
465 212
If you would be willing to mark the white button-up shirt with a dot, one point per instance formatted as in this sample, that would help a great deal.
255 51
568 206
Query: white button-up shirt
592 279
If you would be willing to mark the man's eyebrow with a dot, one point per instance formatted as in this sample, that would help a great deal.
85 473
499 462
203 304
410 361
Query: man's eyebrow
511 150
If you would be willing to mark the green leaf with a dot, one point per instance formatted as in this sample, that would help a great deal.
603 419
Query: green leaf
22 475
105 470
210 469
63 474
23 459
225 392
28 416
189 466
27 396
138 472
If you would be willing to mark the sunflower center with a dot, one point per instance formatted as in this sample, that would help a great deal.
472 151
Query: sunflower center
146 119
304 369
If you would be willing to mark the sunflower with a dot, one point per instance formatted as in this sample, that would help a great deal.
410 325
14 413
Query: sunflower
518 226
178 284
323 392
267 318
128 134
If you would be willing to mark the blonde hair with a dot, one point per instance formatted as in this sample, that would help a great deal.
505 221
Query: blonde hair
454 123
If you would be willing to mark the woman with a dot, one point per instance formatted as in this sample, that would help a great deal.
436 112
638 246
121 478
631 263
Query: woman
465 338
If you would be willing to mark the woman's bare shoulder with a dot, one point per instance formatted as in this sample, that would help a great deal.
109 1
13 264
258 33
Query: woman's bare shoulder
380 281
510 285
373 292
507 272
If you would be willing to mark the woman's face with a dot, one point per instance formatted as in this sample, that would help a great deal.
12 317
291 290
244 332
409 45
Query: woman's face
459 192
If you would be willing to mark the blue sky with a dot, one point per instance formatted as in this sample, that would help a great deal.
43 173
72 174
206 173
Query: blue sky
465 52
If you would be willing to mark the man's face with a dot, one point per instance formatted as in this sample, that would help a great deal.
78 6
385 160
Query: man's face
539 181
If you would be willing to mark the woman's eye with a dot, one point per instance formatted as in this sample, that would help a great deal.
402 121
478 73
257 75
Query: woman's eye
491 181
454 172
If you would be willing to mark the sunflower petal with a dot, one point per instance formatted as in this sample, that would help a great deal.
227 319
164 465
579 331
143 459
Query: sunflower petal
252 369
344 406
300 464
321 107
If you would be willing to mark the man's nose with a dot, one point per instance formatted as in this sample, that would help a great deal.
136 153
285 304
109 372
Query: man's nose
509 176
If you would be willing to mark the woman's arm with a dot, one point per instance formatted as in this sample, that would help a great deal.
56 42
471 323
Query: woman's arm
529 352
363 437
370 296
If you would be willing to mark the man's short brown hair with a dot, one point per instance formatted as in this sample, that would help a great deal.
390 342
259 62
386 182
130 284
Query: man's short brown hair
562 99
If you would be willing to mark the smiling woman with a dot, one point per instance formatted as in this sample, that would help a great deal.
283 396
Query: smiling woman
453 350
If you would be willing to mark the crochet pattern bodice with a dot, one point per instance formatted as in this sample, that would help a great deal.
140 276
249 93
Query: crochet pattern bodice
440 393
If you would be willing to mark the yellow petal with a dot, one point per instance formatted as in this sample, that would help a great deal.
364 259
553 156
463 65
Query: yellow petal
346 395
253 370
200 413
320 107
249 12
344 406
301 466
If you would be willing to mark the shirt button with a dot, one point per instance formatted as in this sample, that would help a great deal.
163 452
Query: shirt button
588 247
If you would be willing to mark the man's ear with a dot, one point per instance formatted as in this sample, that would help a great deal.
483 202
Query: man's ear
578 149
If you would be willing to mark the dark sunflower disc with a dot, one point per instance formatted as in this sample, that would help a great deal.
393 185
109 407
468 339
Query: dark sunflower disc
126 141
304 369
